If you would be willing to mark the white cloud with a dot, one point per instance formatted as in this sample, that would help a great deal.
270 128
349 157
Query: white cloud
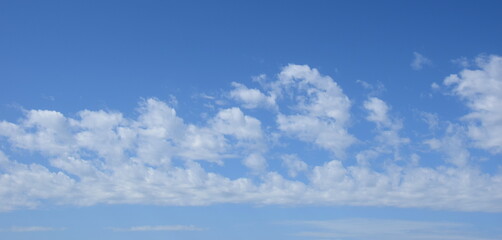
322 109
332 183
481 89
294 165
452 145
212 143
364 84
318 131
25 184
232 121
363 157
388 139
431 119
251 97
202 143
50 135
322 97
103 157
377 89
419 61
377 111
433 143
159 228
255 162
358 229
462 62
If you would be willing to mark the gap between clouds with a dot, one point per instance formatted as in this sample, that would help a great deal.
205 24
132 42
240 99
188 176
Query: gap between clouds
159 158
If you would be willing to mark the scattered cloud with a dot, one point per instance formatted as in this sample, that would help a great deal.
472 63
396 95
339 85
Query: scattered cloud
461 62
322 111
481 90
431 119
294 165
378 110
453 145
388 139
419 61
157 157
255 162
374 89
251 97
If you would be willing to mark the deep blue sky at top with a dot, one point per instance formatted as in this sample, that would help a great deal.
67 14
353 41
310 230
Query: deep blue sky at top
71 55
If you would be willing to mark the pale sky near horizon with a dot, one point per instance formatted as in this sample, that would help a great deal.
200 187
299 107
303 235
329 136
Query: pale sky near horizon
342 120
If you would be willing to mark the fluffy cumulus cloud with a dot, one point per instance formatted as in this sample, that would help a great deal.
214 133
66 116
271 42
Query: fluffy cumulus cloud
255 162
251 97
387 139
321 110
294 165
481 89
157 157
377 111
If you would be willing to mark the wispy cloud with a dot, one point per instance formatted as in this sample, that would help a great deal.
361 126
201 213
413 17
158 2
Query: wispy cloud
461 62
159 228
419 61
30 229
359 229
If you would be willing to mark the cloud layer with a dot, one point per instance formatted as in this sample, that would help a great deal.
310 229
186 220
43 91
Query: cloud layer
159 158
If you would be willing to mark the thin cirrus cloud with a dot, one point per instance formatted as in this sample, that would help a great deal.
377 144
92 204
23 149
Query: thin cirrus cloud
158 228
159 158
419 61
382 229
31 229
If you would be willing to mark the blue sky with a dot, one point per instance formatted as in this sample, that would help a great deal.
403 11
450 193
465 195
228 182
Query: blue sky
250 120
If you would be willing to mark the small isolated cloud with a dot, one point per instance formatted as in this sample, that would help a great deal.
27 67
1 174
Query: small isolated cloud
419 61
31 229
377 111
158 228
